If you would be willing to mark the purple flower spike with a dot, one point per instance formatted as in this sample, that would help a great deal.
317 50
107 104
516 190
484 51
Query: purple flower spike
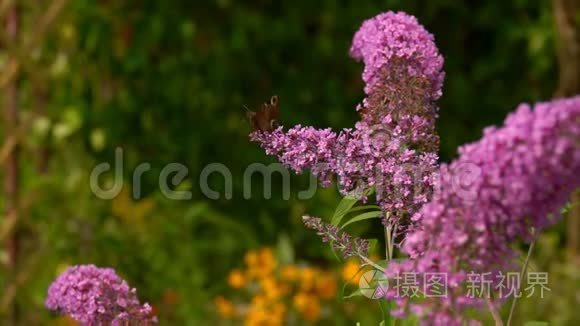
515 178
394 146
391 35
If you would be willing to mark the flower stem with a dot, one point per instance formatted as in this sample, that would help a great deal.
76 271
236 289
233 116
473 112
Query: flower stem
371 263
494 313
522 273
389 239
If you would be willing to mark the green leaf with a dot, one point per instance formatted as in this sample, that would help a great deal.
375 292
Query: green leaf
373 244
342 209
362 217
385 306
536 323
285 249
411 320
369 191
356 293
363 207
568 207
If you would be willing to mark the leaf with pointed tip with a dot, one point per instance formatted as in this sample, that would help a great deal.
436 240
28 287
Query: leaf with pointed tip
342 209
285 250
363 207
356 293
362 217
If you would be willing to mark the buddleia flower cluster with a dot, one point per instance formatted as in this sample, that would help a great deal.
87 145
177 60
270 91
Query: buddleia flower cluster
393 148
97 296
392 36
525 172
462 217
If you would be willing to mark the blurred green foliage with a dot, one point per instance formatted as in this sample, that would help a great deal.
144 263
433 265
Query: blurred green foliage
167 81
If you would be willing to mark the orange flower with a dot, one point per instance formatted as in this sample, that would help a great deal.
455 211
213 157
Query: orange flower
267 261
300 300
256 317
290 273
273 289
279 310
351 272
225 308
312 311
262 318
264 313
260 264
326 286
266 254
259 301
308 306
251 258
308 278
236 279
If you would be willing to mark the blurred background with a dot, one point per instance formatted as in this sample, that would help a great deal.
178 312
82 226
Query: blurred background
167 81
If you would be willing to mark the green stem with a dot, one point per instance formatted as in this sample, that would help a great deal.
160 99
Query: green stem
494 312
390 231
387 239
393 234
385 311
389 245
522 274
370 262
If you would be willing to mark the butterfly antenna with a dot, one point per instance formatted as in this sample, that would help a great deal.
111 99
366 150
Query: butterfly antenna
245 107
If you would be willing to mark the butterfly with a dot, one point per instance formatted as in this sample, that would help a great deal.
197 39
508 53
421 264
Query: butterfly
265 118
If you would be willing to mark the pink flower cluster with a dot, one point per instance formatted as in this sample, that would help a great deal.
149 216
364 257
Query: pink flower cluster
393 147
390 36
363 157
97 296
524 173
464 216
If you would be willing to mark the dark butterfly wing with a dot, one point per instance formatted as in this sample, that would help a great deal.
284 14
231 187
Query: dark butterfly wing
265 118
251 115
262 117
274 109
